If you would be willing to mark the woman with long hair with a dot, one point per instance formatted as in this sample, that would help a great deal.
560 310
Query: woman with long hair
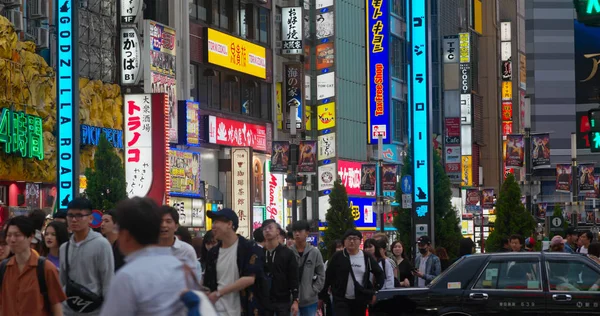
56 234
208 241
404 267
443 255
373 247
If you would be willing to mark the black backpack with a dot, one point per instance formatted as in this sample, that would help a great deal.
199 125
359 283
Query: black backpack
41 276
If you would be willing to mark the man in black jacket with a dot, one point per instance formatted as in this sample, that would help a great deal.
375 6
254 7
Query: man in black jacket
282 268
343 269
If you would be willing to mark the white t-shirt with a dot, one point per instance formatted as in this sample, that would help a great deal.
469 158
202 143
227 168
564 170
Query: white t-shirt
357 262
422 269
583 250
227 273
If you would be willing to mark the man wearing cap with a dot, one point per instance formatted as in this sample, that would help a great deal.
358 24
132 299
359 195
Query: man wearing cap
529 244
232 267
557 244
428 265
571 240
342 269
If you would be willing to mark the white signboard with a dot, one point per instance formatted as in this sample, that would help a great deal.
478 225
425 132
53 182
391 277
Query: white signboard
274 195
184 208
326 176
240 188
326 146
138 144
307 88
452 154
323 3
505 50
450 46
291 31
465 109
131 53
325 86
505 32
406 201
421 230
130 10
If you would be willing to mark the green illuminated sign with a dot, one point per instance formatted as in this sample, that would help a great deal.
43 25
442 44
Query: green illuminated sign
588 11
22 134
593 7
595 142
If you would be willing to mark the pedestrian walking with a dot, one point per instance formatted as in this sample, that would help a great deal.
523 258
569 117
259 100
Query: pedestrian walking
108 229
55 235
428 265
169 225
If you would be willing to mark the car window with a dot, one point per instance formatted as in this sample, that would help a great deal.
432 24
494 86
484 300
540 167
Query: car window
572 276
510 275
437 278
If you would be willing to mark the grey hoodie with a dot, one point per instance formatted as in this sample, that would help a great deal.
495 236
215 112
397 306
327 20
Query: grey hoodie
91 264
313 277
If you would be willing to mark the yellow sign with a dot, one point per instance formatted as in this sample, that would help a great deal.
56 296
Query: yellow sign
82 182
278 99
465 47
236 54
478 16
308 114
326 116
467 171
506 90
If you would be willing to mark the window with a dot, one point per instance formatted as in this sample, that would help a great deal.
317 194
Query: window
398 60
399 8
215 93
214 8
511 275
250 98
401 120
230 93
263 26
207 87
572 276
198 9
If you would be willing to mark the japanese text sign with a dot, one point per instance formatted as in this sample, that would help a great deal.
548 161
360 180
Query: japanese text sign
22 134
378 70
241 188
236 54
192 120
507 110
465 47
130 10
185 173
293 74
227 132
131 53
138 144
291 29
350 175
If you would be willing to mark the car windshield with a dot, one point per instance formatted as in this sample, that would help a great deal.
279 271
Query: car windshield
437 278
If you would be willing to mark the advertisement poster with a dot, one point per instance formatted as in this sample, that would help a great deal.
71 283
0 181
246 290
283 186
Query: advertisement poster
368 177
488 198
390 175
281 157
325 55
160 73
563 178
274 195
540 150
184 208
222 131
326 147
326 177
307 152
514 151
472 201
586 177
326 116
258 213
241 188
541 210
193 123
258 177
362 212
587 80
185 173
349 173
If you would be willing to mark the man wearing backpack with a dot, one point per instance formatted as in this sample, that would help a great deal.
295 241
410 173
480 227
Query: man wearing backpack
234 269
30 284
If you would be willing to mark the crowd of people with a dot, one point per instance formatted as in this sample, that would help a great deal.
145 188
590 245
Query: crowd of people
143 263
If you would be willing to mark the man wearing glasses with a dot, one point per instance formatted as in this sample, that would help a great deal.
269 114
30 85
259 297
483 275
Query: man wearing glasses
348 272
87 274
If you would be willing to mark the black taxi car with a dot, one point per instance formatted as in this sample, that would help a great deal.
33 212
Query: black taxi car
519 283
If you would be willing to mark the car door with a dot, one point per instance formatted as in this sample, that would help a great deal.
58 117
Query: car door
573 286
507 285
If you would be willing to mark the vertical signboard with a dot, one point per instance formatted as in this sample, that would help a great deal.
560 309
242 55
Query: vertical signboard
466 106
130 10
421 114
291 31
67 102
241 187
131 56
274 184
378 72
293 76
453 113
138 144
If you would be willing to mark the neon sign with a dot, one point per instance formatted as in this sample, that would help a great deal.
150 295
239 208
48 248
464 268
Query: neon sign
67 101
22 134
419 107
378 73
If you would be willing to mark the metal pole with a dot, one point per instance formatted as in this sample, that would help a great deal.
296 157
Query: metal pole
293 161
380 182
481 226
528 169
574 176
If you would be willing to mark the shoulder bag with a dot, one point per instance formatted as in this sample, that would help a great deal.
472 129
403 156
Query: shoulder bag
79 298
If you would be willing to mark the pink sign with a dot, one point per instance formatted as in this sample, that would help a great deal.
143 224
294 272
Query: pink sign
236 134
349 172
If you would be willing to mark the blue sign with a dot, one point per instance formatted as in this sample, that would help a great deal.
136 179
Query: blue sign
419 106
390 153
362 210
406 184
67 102
378 70
422 210
90 135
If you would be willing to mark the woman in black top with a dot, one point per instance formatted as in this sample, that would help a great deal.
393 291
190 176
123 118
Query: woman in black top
444 259
404 266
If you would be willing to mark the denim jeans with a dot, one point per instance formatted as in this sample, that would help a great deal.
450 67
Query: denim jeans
309 310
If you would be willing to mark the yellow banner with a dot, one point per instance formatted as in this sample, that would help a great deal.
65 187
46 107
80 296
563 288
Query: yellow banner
326 116
308 114
465 47
467 171
236 54
506 90
278 99
478 13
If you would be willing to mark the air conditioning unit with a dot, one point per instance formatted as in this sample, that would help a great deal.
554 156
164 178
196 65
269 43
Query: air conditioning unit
42 38
277 18
11 3
38 9
16 18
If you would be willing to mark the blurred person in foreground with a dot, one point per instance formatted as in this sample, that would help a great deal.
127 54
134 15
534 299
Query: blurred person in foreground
557 244
594 252
107 228
152 281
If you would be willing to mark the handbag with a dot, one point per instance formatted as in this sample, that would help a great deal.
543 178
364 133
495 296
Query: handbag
363 293
79 298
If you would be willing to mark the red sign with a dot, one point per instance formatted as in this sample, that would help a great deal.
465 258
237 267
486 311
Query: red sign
349 172
452 126
236 134
507 110
507 128
472 197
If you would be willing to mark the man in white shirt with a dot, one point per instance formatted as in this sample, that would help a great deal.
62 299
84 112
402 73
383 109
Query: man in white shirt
153 279
585 238
168 227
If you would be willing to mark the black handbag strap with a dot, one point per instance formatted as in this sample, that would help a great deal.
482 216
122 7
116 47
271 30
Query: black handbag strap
67 260
367 269
301 267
